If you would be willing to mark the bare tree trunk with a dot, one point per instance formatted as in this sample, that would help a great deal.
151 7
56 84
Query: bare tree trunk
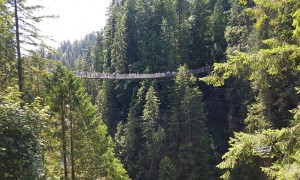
72 138
72 150
64 143
20 68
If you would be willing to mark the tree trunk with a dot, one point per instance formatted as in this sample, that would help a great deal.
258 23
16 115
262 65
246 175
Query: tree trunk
71 138
20 68
64 143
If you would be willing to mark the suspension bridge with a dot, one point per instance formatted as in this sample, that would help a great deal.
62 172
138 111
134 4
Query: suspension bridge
158 75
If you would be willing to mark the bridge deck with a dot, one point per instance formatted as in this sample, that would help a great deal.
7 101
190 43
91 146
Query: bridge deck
96 75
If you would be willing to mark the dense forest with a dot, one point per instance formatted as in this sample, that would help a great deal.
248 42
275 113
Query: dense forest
239 121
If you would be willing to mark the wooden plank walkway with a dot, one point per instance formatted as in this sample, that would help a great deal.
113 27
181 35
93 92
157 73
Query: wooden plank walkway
97 75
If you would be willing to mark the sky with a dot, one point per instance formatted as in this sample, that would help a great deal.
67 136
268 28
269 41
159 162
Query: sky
76 18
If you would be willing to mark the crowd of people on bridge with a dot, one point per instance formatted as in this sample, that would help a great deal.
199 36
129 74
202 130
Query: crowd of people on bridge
98 75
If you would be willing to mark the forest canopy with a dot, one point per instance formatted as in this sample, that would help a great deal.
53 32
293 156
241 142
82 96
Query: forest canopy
238 121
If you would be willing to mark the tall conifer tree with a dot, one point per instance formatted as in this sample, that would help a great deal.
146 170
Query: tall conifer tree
187 132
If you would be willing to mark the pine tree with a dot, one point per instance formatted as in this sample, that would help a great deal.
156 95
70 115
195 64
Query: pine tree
183 9
195 138
167 170
109 31
57 88
131 35
119 42
153 136
98 53
129 138
106 105
218 24
187 132
199 39
91 136
35 71
149 20
170 35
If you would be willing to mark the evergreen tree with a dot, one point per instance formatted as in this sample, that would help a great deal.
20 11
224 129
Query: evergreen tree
238 91
109 31
129 136
131 35
81 132
57 87
36 69
169 35
98 53
149 20
79 50
188 134
281 144
199 40
167 170
106 106
239 27
153 136
195 138
219 21
183 9
119 42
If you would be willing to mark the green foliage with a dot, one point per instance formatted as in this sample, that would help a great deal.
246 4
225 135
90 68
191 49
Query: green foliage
198 41
81 124
284 148
272 71
218 29
140 140
109 32
98 53
7 52
162 141
296 23
187 132
239 27
21 143
129 138
72 53
36 70
151 111
167 170
152 36
170 34
266 70
252 66
153 136
106 105
119 43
